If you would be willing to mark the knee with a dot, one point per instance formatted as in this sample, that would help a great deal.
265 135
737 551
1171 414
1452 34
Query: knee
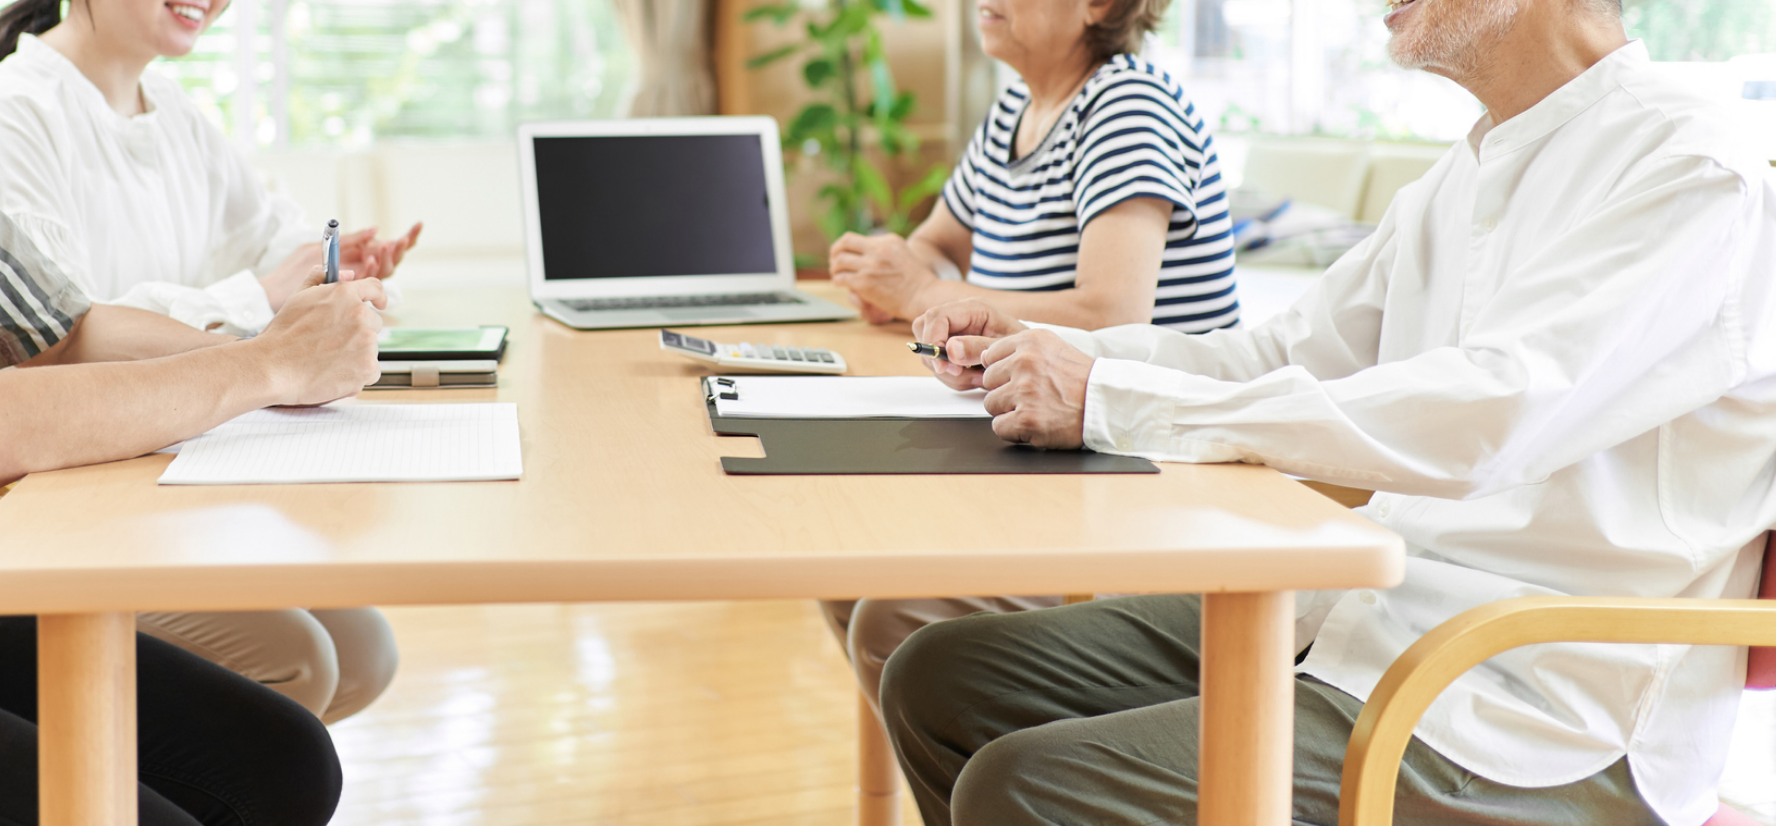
921 678
289 652
304 788
1004 782
367 658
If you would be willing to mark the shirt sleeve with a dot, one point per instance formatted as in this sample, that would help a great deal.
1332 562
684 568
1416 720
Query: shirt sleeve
958 191
1135 142
1623 325
38 304
34 194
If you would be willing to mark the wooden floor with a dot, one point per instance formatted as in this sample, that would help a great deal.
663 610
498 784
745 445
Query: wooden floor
667 715
660 714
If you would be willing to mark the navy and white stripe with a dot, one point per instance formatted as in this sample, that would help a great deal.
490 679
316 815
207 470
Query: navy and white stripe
38 305
1130 133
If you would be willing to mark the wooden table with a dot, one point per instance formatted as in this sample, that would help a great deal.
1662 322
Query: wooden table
623 499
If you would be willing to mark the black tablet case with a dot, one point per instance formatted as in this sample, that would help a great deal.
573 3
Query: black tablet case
799 447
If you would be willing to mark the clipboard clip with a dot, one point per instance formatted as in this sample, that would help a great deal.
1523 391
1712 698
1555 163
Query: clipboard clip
721 388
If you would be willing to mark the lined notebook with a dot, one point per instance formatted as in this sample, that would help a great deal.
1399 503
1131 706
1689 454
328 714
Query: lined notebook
355 443
848 397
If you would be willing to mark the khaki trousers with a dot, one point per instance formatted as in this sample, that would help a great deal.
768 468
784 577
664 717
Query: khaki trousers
1088 714
870 629
332 662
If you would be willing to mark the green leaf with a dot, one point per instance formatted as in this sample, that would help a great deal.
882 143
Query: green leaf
818 71
897 139
854 19
895 9
925 187
773 56
870 180
779 13
816 120
903 106
915 10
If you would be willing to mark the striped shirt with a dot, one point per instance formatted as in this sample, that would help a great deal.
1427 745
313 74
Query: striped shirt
38 305
1130 133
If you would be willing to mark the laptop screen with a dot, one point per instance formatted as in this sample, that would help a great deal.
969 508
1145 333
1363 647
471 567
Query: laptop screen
652 205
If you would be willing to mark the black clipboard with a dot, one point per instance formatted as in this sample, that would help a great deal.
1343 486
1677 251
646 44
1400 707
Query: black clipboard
806 447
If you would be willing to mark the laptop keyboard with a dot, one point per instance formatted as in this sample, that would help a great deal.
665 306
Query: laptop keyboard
677 301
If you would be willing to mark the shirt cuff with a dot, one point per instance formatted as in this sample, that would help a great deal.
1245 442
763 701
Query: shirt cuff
243 302
1136 409
1076 338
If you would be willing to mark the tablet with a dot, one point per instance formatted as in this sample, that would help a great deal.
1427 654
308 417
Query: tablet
440 343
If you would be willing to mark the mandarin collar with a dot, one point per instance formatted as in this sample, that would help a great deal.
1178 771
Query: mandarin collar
1488 141
31 45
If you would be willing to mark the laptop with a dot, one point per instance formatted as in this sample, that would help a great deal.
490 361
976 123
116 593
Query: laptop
660 222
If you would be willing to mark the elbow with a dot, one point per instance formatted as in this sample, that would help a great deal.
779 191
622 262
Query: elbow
1098 315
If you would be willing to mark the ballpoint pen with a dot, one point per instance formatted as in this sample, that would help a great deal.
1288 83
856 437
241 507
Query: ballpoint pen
330 248
928 350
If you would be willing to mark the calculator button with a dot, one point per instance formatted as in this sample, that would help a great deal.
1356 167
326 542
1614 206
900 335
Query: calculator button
825 356
778 352
747 348
795 355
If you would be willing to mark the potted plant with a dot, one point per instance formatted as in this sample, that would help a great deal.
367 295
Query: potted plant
842 60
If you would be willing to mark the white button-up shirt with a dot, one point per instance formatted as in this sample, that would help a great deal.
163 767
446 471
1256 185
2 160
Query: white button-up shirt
1556 361
157 211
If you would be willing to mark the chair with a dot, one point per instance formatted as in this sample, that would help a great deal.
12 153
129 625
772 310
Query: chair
1372 762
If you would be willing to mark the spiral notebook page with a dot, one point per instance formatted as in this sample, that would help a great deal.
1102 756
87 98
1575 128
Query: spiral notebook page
355 443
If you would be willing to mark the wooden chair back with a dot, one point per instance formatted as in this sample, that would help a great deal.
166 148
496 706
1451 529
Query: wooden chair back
1760 666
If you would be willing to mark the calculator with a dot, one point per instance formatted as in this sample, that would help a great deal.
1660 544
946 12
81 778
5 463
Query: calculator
747 357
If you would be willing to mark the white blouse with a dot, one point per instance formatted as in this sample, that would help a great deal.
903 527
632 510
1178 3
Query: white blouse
1556 361
158 211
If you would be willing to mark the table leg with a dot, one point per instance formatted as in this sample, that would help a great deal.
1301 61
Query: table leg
86 719
1248 709
878 774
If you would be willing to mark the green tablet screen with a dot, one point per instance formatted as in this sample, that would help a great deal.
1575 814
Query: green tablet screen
399 338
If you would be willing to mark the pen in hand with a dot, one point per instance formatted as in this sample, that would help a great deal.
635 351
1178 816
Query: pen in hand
330 249
920 348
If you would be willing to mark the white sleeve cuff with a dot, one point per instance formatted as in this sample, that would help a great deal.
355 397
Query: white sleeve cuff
1134 409
243 303
1075 337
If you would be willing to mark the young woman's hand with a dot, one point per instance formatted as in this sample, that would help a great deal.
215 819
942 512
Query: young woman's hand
358 251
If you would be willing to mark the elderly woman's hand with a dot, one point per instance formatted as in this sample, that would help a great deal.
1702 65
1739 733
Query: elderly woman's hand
883 272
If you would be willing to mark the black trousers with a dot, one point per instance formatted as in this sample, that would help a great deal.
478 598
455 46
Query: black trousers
214 749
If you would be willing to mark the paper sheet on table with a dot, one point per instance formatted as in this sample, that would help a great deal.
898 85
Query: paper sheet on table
355 443
849 397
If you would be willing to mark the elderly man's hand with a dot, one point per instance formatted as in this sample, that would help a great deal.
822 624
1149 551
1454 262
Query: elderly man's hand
966 329
1036 385
882 271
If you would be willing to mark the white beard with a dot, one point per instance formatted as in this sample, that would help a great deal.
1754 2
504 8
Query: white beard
1451 37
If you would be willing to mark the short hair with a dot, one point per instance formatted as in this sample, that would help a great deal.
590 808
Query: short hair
1127 24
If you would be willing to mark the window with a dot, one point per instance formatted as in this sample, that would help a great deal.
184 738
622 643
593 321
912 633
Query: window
356 71
1321 66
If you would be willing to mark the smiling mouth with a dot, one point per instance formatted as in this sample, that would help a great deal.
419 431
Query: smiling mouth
988 14
192 13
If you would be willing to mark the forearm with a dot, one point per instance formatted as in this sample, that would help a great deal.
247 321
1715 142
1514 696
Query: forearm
70 415
111 333
1082 308
933 256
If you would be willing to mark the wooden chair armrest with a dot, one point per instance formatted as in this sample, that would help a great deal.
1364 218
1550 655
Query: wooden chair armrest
1372 761
1348 497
